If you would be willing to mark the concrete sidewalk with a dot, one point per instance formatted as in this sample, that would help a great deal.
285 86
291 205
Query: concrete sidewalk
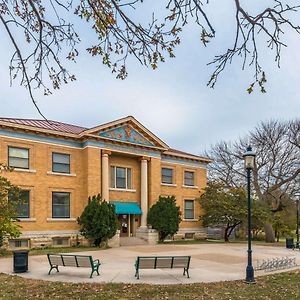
209 263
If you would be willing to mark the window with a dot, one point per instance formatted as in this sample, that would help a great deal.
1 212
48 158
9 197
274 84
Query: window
61 241
189 235
22 204
61 163
189 209
60 205
167 175
19 243
120 178
18 157
189 178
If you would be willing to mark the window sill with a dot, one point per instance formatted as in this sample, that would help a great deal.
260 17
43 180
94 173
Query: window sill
122 190
25 170
60 174
190 220
27 219
190 186
61 219
169 184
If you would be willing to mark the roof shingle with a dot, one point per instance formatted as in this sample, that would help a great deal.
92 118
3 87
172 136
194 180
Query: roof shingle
49 124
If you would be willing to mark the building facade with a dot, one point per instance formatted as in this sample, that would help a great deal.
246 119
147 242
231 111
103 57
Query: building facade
58 166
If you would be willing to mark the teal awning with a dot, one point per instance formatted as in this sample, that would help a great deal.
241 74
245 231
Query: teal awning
128 208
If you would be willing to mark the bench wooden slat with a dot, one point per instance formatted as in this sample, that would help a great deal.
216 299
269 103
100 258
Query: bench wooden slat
69 261
56 260
84 262
180 262
147 263
162 262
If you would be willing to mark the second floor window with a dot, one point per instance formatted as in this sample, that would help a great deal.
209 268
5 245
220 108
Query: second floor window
21 203
60 205
61 163
18 157
120 178
167 175
189 178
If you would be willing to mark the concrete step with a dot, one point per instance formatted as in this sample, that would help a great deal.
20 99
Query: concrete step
131 241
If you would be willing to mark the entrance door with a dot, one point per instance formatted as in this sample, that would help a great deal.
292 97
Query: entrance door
123 221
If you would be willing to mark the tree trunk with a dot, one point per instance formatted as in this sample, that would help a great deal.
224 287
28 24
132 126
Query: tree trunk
269 233
226 235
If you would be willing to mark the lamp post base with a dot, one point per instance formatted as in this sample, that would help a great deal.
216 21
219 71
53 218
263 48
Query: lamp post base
250 275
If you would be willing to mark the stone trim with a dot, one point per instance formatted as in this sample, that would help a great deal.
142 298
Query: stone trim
190 186
122 190
27 219
61 174
61 220
25 170
169 184
62 233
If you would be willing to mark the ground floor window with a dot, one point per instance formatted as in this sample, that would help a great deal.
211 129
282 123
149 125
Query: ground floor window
189 209
21 203
60 205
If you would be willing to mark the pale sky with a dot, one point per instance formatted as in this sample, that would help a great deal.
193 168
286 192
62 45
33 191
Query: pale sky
173 101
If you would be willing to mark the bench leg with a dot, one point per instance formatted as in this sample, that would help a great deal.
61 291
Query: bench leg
137 275
183 272
97 270
187 272
53 267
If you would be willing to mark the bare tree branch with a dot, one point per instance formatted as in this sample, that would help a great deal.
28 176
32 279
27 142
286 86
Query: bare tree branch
43 27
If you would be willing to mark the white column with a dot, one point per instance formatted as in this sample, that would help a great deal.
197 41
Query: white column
144 191
105 175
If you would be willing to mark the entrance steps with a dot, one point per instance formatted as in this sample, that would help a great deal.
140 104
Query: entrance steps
131 241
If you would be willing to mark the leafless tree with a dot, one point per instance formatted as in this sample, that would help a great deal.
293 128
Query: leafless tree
277 166
43 38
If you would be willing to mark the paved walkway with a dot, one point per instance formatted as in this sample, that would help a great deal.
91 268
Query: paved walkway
209 263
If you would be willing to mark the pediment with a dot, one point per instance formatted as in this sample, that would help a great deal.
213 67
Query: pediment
127 130
128 134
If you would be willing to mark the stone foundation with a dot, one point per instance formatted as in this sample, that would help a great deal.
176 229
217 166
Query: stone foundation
178 236
148 235
40 240
114 242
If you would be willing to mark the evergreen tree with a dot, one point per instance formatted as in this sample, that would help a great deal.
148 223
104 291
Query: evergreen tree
164 216
98 222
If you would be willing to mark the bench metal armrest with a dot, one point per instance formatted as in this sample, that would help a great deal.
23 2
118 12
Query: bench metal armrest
96 261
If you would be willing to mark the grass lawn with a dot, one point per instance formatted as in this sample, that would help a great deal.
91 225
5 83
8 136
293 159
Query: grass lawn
277 286
210 241
5 253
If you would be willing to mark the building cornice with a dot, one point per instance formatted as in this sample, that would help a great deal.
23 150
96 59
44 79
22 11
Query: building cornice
86 138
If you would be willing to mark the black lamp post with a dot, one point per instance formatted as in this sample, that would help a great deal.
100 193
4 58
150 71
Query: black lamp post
297 228
249 158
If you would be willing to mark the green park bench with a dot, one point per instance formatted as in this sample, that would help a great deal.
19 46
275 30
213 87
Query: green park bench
71 260
162 262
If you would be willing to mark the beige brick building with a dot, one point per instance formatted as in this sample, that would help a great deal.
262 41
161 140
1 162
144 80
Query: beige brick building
58 166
